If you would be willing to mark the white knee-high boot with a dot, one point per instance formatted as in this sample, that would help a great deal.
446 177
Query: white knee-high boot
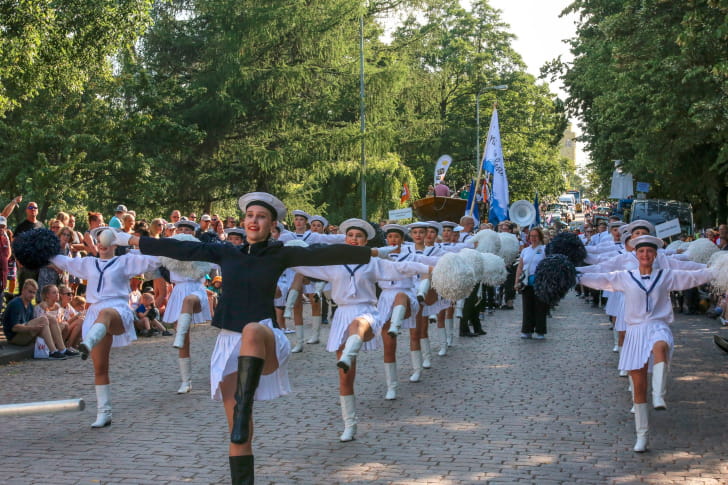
184 321
426 353
351 350
416 357
185 371
449 323
615 334
422 288
641 424
290 302
390 373
103 406
315 330
659 385
395 321
459 305
94 335
443 341
348 412
631 390
299 339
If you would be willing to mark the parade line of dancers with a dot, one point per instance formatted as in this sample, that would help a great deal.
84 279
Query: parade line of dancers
250 358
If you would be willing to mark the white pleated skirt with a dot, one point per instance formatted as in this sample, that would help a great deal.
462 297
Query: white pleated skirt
386 304
176 298
343 317
638 343
224 361
281 300
435 308
615 303
121 305
619 324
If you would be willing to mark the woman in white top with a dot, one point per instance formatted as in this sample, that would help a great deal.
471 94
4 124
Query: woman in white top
648 344
109 320
534 310
356 324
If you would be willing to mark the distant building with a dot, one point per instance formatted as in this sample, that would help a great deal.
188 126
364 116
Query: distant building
567 145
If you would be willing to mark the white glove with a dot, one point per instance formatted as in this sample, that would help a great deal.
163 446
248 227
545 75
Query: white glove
384 252
122 238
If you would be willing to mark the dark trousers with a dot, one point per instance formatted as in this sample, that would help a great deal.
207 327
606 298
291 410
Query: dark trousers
691 298
534 312
508 290
487 298
470 313
26 274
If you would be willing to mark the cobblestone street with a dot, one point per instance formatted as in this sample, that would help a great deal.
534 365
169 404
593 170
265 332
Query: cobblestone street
496 409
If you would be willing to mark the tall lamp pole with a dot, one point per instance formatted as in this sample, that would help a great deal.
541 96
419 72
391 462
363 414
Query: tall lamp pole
478 161
362 116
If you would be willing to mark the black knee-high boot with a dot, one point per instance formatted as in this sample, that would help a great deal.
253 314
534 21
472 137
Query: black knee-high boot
241 470
249 370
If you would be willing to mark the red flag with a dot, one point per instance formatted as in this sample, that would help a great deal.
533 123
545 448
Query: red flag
405 195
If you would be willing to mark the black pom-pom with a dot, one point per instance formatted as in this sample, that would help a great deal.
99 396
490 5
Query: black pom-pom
209 237
555 276
380 239
568 244
33 249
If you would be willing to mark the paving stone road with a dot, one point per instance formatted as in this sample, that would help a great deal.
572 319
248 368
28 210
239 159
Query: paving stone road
497 409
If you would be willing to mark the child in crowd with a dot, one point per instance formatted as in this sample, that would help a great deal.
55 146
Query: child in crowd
148 317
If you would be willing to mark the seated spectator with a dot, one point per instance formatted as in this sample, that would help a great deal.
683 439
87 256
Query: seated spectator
148 318
21 328
49 306
72 317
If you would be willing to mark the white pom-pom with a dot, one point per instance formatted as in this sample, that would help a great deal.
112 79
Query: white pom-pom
510 247
453 278
719 264
701 250
494 270
677 244
296 242
188 269
473 259
106 238
487 241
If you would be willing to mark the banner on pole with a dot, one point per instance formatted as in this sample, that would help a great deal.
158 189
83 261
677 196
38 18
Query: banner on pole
443 163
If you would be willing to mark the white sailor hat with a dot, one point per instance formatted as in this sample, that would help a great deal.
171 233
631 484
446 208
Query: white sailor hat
3 221
187 223
415 225
239 231
616 224
302 214
321 219
641 223
435 225
451 225
357 224
625 235
98 230
651 241
458 228
264 199
387 228
169 225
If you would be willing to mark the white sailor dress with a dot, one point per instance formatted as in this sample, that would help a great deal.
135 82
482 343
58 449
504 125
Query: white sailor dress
184 286
108 287
353 290
390 289
647 307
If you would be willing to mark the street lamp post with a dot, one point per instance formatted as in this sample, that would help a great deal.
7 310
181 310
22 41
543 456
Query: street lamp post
478 161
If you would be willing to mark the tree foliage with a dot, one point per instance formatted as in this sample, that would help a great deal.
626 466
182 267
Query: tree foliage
649 79
218 97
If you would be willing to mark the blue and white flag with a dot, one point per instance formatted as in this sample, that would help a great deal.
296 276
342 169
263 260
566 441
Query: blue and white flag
493 163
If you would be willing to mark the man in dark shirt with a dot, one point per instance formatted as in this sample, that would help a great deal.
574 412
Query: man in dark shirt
31 222
21 328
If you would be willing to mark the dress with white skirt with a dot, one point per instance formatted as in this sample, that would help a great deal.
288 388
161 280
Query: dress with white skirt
224 361
184 286
647 307
108 287
353 290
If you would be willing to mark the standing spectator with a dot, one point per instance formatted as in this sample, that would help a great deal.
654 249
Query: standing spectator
5 253
77 239
156 228
21 328
118 216
205 222
11 206
95 219
31 222
441 190
127 223
534 310
175 216
722 241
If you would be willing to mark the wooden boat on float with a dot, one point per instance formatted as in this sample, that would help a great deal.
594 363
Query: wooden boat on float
439 208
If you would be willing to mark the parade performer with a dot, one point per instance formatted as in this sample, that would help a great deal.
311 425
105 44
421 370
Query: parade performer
251 354
648 312
357 324
187 304
109 320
